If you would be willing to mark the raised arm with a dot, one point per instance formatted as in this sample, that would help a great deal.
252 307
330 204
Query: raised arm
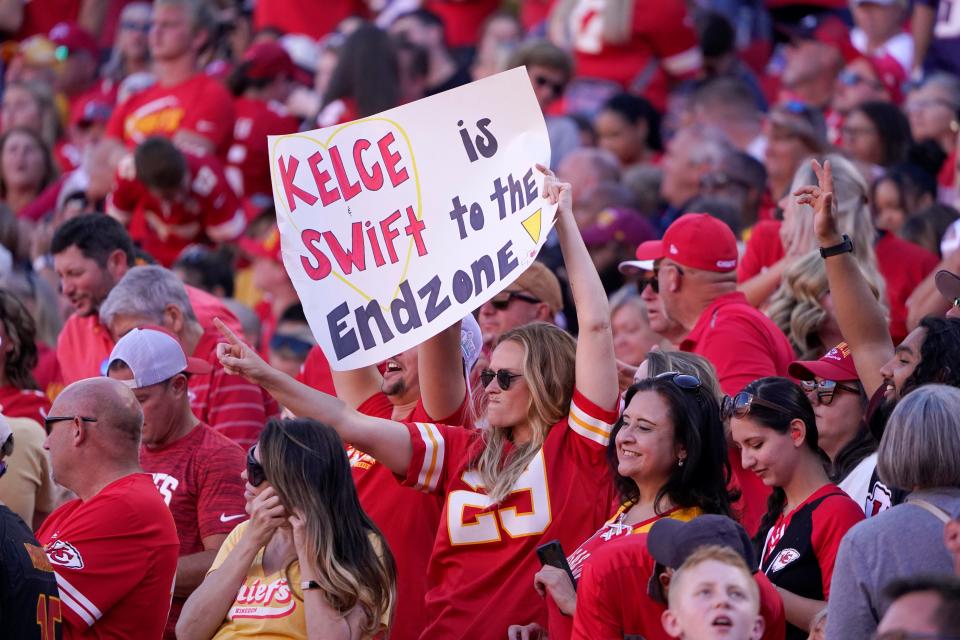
596 371
356 385
440 366
859 314
385 440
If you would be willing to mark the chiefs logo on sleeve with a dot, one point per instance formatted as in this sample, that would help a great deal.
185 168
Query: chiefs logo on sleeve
64 554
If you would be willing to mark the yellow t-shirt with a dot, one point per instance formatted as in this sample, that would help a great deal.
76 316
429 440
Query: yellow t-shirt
267 606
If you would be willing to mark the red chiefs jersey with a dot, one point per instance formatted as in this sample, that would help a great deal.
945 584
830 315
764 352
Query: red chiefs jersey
199 479
115 556
24 403
248 160
209 212
462 19
408 519
662 43
200 105
231 405
315 19
316 372
484 558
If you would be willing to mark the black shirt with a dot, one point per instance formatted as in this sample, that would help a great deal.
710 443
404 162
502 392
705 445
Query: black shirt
28 586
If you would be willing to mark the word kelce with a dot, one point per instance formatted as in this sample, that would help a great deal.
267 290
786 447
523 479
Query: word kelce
370 325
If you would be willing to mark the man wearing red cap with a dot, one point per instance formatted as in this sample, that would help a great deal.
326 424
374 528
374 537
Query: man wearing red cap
77 52
697 277
261 84
195 110
196 469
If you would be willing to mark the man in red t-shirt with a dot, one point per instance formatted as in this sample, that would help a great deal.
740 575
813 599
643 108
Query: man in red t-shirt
196 469
152 295
90 254
170 199
193 109
622 591
114 548
697 276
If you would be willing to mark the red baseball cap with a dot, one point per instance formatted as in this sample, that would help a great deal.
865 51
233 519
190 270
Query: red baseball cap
74 38
700 241
267 247
891 74
268 59
647 254
836 365
90 110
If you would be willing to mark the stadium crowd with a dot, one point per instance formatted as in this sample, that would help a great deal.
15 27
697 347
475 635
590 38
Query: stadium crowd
724 402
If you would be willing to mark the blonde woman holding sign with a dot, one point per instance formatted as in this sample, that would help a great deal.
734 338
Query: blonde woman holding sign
537 474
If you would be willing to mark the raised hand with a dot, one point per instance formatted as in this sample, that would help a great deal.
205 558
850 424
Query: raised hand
238 358
557 583
557 192
821 198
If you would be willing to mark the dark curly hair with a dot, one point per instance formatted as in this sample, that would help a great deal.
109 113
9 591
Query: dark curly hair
703 479
782 392
21 333
939 354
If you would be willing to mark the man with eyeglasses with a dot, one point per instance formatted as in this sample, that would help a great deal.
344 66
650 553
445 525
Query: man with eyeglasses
922 608
29 599
114 548
533 297
196 469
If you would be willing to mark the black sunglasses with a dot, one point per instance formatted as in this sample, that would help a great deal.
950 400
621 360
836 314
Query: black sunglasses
685 381
49 420
650 281
825 389
255 473
502 301
504 378
739 405
556 87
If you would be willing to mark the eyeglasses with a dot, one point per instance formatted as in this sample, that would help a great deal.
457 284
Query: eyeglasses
284 342
928 103
685 381
503 300
504 378
852 79
555 87
797 107
255 473
49 420
651 282
133 25
739 405
825 389
856 132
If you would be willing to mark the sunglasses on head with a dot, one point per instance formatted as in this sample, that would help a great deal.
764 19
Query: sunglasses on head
503 300
825 389
255 473
739 405
685 381
504 378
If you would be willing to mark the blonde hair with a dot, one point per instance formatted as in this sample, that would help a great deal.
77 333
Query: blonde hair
717 553
549 358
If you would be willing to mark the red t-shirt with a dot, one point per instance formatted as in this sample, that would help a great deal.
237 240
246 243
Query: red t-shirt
209 213
316 372
662 44
535 12
315 19
24 403
612 598
408 519
199 479
115 556
84 343
904 266
200 105
462 19
248 160
484 558
560 626
764 248
231 405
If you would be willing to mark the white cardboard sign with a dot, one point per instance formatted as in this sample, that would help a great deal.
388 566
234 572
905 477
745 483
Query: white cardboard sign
394 227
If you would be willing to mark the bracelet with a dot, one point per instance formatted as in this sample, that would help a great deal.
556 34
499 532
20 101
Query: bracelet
306 585
845 246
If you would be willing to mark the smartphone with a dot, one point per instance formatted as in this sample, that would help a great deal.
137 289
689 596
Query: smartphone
552 554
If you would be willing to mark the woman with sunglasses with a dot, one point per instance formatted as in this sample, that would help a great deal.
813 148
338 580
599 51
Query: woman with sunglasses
537 472
308 563
774 426
666 456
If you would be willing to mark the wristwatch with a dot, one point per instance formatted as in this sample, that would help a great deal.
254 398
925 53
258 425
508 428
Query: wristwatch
309 584
846 246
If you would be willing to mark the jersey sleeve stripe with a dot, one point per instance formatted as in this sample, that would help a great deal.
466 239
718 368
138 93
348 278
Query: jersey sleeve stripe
432 456
589 427
77 601
228 230
683 62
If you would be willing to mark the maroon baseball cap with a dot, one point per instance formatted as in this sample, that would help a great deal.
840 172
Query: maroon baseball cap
700 241
74 38
617 225
836 365
948 284
268 59
92 109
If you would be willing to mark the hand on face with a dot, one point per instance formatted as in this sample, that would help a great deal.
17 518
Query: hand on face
267 514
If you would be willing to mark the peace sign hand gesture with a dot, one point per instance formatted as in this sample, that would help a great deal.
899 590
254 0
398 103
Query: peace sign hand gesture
821 198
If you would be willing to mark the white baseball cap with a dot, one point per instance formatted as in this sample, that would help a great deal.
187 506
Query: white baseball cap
154 355
5 431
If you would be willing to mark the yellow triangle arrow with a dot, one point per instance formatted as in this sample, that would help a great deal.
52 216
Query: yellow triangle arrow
532 225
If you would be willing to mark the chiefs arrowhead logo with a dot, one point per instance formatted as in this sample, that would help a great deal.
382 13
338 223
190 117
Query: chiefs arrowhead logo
64 554
783 558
